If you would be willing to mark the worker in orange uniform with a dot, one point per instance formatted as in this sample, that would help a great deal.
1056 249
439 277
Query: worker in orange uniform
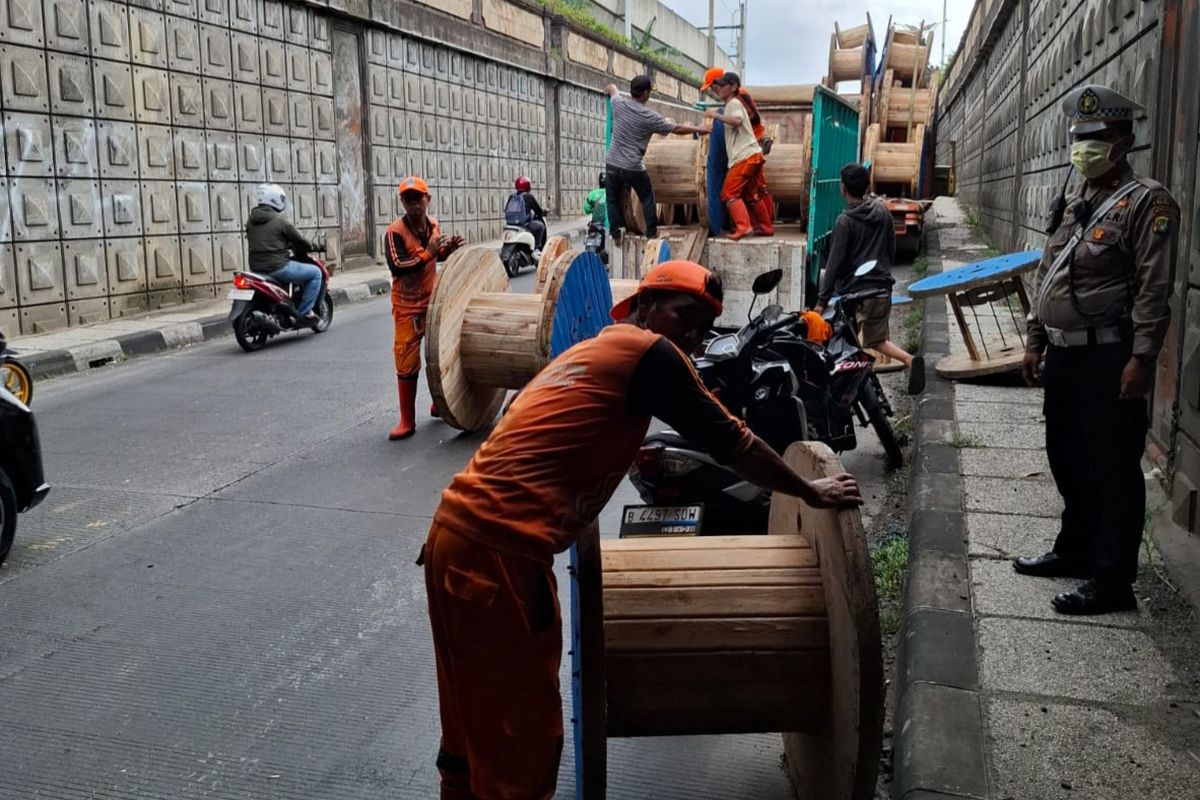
758 201
532 488
412 246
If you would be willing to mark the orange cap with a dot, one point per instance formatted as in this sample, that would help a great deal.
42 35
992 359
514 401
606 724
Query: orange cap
672 276
413 183
710 75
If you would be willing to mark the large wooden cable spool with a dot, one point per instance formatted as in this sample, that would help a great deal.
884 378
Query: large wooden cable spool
901 106
787 173
481 340
853 37
740 634
894 163
907 59
555 247
845 63
800 94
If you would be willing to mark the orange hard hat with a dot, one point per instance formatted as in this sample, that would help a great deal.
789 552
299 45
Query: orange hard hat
413 184
710 75
818 330
687 277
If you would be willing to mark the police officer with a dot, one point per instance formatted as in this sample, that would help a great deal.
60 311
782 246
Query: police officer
1099 314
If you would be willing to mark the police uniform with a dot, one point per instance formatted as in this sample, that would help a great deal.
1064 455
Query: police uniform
1095 307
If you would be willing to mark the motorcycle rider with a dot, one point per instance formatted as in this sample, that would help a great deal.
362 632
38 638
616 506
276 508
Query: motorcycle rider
270 241
596 204
412 246
523 210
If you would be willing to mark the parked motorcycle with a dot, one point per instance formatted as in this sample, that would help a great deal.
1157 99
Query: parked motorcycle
595 241
517 250
14 376
264 307
786 388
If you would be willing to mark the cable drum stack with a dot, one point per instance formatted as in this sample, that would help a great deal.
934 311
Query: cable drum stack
895 139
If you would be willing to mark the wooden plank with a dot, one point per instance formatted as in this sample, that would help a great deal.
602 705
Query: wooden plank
792 577
711 668
664 543
594 702
707 559
713 601
681 635
716 709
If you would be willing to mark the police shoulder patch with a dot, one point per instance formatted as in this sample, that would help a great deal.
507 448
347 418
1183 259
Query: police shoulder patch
1161 224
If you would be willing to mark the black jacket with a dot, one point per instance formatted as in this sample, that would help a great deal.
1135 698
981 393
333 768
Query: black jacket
862 232
270 240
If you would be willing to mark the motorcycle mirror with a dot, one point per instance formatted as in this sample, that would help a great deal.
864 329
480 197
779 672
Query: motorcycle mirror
865 268
767 281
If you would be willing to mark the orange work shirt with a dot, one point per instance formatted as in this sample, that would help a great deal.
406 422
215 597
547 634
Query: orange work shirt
411 263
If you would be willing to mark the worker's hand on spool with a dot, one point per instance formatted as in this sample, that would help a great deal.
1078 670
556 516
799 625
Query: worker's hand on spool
712 113
840 491
437 244
454 243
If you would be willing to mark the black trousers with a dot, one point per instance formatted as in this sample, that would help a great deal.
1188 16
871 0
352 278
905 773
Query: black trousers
1095 441
615 182
538 229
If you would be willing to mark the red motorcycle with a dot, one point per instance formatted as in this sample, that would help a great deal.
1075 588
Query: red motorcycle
264 307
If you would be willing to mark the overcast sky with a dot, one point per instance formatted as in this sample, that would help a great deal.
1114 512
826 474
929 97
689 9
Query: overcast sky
788 40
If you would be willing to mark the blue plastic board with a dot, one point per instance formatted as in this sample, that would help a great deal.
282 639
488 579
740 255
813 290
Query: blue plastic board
998 267
718 167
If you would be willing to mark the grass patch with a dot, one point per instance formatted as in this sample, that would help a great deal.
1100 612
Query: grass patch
903 426
913 323
889 563
920 266
961 441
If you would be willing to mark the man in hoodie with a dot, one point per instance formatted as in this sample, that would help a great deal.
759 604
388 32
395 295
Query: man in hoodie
862 233
270 241
412 246
745 189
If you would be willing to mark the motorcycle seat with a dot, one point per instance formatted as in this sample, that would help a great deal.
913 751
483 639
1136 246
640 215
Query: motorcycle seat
268 277
670 438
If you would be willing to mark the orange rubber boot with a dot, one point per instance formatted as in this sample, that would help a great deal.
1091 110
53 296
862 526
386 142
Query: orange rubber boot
741 218
407 389
763 214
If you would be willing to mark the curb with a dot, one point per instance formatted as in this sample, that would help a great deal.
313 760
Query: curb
52 363
939 747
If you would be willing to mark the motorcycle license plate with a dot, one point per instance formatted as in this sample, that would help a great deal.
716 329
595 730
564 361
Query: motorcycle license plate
240 294
661 520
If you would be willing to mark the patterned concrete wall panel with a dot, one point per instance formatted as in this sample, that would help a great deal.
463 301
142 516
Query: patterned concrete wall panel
244 51
270 19
385 205
80 212
278 159
109 30
216 12
191 158
71 88
84 269
272 64
162 264
196 260
43 318
304 206
399 164
248 108
8 287
187 100
247 194
156 152
325 157
225 211
148 37
160 214
412 57
39 272
243 15
34 209
252 162
327 206
88 312
322 73
218 104
21 22
377 85
379 132
122 202
183 44
193 208
381 165
304 169
377 46
66 25
318 32
181 8
297 17
297 68
229 256
28 144
75 147
24 84
152 97
126 264
221 151
397 128
300 115
215 53
323 127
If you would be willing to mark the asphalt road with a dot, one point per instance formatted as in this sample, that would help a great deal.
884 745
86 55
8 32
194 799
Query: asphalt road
218 598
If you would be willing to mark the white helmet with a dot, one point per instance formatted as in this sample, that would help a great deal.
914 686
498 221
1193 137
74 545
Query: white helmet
272 194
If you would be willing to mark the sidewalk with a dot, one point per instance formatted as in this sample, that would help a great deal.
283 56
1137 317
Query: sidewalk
88 346
997 696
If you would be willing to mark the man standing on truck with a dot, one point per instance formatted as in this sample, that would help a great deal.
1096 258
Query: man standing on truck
862 233
762 205
745 189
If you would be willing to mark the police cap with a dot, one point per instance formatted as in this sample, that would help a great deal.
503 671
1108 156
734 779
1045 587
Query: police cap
1094 107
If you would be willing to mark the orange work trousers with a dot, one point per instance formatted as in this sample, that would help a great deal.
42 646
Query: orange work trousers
497 639
745 180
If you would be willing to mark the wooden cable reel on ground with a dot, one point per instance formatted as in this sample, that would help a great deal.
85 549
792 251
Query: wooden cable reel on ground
676 166
894 163
555 247
481 340
739 634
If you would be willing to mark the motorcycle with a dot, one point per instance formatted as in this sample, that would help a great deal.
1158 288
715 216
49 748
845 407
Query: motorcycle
594 242
786 388
685 490
517 250
264 307
14 376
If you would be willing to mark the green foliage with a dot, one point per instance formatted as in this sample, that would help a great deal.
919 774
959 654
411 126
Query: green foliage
920 266
889 562
913 321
